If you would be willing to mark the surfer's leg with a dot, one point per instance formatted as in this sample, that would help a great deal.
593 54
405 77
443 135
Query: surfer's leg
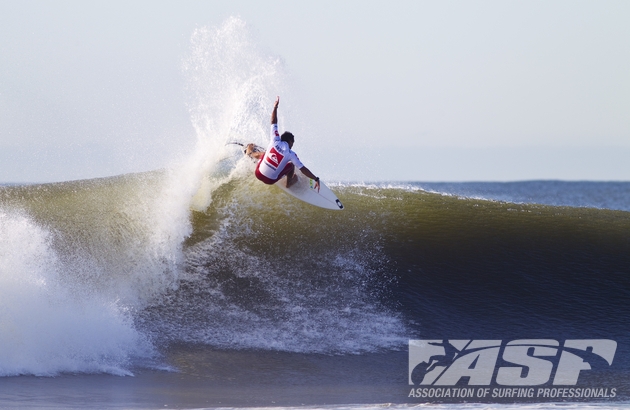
289 171
291 178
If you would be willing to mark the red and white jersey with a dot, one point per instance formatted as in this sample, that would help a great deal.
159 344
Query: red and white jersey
277 156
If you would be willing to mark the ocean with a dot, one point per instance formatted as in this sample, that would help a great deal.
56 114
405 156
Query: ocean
195 286
118 293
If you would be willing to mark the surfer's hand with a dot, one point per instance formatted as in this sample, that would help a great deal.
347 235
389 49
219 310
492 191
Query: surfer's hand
275 105
249 149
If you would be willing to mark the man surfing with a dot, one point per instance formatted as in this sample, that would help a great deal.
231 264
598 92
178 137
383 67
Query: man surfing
278 160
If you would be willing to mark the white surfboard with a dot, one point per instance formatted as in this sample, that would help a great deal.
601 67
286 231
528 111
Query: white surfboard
304 189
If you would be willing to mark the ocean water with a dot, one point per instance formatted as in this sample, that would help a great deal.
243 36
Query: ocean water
586 194
196 286
114 293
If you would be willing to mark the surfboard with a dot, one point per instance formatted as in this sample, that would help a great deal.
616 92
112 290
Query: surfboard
305 190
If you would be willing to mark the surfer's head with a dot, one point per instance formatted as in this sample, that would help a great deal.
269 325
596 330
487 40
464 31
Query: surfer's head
288 138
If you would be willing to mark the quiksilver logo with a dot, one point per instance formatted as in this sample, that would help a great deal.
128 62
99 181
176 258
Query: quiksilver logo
525 362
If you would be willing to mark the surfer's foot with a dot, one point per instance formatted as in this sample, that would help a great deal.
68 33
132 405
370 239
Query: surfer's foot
292 180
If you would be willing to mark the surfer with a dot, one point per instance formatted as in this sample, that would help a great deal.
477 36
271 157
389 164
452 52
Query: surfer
278 160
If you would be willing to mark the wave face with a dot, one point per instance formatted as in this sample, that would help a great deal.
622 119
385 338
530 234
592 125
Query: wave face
264 271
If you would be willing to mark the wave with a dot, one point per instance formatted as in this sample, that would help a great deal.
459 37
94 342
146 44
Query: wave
112 275
106 258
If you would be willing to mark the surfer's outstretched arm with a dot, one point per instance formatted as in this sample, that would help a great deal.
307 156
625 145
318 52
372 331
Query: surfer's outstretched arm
309 174
274 113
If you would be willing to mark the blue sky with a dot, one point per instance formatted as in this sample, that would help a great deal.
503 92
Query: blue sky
396 90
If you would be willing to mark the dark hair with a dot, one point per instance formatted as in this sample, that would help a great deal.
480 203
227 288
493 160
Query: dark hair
287 137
